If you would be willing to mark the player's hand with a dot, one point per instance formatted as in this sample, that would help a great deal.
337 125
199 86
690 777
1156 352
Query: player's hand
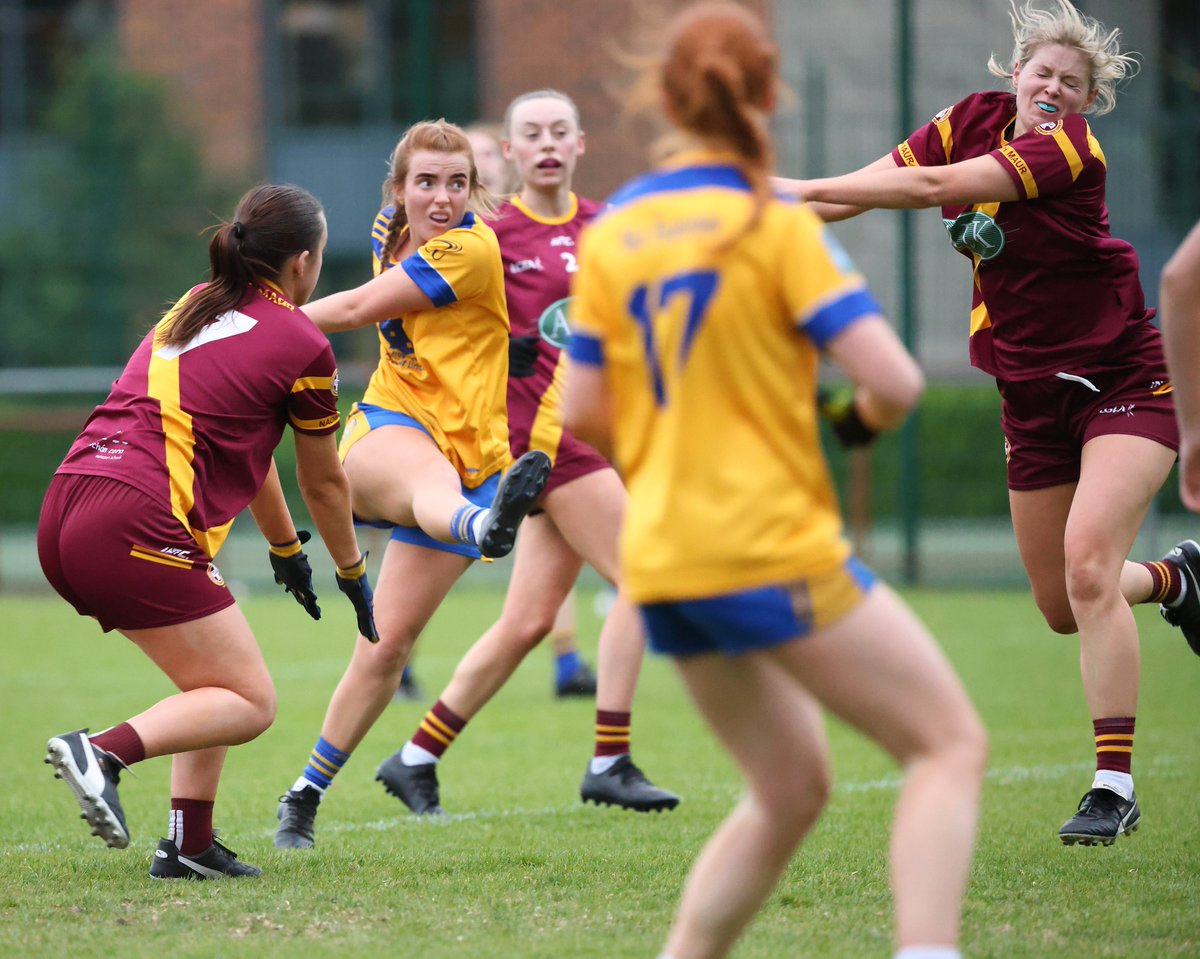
522 355
293 572
353 582
836 405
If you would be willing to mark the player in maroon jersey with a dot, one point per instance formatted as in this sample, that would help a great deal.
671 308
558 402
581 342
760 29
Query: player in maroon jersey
143 501
1059 319
583 503
1179 300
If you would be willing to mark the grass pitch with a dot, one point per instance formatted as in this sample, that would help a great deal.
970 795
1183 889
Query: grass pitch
521 868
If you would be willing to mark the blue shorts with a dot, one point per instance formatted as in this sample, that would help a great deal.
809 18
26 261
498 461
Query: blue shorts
736 623
481 495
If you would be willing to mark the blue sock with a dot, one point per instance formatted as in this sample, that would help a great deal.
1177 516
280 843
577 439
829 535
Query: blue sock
462 527
565 666
325 762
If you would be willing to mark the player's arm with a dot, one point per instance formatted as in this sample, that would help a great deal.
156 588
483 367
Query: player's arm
978 180
829 212
390 294
887 380
270 510
326 492
1179 304
587 406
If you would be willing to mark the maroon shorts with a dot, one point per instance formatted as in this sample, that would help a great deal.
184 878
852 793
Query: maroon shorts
1047 421
572 457
116 554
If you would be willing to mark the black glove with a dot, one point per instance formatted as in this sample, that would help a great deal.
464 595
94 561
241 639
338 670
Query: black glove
353 582
837 406
522 355
293 573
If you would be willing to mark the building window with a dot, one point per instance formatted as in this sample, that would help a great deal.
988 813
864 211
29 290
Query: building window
1181 111
355 62
38 41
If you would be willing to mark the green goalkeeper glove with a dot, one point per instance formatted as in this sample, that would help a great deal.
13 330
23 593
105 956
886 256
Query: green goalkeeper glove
838 408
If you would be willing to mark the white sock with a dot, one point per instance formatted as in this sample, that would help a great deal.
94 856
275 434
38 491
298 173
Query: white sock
477 522
414 755
1120 783
929 952
602 764
302 782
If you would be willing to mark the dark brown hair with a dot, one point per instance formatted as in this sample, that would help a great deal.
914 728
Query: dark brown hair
719 81
436 136
271 224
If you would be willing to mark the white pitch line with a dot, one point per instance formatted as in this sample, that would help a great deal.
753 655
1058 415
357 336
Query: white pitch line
1001 776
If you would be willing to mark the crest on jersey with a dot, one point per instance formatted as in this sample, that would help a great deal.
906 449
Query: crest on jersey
942 114
1049 127
215 575
333 387
554 324
976 232
439 247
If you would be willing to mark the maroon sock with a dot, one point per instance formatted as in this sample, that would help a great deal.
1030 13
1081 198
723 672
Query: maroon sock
612 733
1114 743
191 825
123 742
1166 581
438 729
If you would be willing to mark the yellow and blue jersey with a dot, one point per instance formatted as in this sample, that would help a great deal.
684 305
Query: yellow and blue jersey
447 367
710 354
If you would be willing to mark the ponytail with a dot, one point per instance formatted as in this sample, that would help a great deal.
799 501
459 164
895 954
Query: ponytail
272 223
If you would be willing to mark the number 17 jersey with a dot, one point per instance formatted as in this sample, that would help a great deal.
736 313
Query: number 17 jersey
709 351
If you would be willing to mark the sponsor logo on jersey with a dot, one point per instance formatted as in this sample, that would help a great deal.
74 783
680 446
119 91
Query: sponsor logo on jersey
554 324
942 114
440 247
521 266
562 240
976 232
109 447
215 575
1127 409
1049 127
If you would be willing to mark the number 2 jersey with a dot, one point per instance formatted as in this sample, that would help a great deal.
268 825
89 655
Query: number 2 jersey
1054 291
540 258
195 426
710 358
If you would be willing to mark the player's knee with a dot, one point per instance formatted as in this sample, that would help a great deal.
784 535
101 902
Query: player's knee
1056 611
530 627
1088 581
794 802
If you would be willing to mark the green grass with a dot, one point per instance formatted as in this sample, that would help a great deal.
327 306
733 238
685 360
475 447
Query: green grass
522 869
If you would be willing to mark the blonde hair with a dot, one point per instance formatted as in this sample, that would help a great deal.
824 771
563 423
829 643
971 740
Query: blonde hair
1034 27
435 136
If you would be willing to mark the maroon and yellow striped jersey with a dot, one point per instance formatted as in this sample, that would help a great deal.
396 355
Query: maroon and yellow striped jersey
1053 289
540 259
195 426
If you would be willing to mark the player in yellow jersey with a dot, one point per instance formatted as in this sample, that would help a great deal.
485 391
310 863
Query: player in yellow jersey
425 449
1179 299
702 307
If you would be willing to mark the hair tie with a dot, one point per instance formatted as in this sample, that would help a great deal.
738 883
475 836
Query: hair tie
239 231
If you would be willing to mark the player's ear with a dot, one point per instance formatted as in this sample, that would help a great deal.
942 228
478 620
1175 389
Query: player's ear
582 144
506 149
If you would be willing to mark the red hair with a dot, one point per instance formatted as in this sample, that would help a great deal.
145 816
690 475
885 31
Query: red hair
719 82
